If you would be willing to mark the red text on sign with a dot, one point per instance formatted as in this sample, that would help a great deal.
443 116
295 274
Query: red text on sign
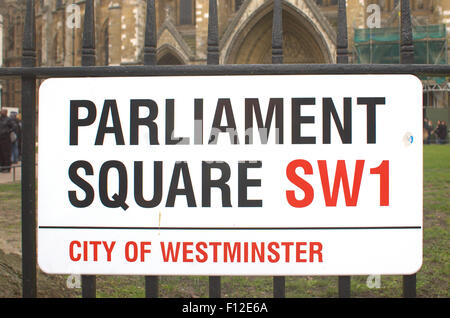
133 251
89 250
241 252
340 178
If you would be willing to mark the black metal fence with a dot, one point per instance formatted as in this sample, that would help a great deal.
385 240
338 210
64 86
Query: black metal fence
29 75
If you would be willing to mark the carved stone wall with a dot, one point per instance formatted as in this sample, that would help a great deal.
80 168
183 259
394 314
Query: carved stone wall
308 37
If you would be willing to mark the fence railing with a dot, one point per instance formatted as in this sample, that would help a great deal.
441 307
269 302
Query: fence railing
29 75
13 176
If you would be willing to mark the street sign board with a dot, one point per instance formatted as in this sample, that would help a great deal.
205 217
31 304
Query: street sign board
230 175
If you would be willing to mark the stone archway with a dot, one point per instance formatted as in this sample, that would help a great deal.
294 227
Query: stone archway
167 55
169 59
302 41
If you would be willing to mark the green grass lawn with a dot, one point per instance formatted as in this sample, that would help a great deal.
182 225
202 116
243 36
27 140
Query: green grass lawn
432 279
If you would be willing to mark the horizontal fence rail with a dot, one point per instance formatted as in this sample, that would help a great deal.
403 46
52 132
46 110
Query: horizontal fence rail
29 75
226 69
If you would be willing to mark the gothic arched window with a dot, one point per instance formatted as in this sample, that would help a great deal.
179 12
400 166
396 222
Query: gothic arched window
106 45
237 4
11 35
420 5
186 12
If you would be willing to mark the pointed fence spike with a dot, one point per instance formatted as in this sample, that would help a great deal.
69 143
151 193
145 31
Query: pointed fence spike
29 36
150 34
277 33
213 34
342 38
88 49
406 35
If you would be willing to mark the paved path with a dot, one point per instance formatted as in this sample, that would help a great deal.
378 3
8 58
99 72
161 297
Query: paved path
13 176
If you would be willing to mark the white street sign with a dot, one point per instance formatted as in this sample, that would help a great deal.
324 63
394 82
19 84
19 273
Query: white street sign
231 175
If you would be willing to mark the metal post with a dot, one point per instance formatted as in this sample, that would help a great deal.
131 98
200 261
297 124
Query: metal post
407 57
213 34
151 282
29 158
409 286
342 58
150 34
213 59
344 286
88 286
214 287
277 58
151 286
88 282
279 287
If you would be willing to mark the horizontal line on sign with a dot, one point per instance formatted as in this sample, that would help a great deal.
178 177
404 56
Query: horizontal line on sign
229 228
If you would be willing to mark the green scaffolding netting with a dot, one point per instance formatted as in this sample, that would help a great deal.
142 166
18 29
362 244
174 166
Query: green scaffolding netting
382 45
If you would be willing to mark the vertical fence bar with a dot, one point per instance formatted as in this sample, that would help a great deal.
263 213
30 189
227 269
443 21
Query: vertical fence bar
342 38
88 286
279 282
342 58
88 49
277 33
213 59
213 35
151 286
29 262
344 286
151 282
279 287
88 282
150 34
214 287
409 286
407 57
406 36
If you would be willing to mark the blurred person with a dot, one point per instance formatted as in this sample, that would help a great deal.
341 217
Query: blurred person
442 132
436 130
6 127
427 130
15 140
19 136
430 130
425 124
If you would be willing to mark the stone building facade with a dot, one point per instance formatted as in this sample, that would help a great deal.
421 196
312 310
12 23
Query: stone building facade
244 30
